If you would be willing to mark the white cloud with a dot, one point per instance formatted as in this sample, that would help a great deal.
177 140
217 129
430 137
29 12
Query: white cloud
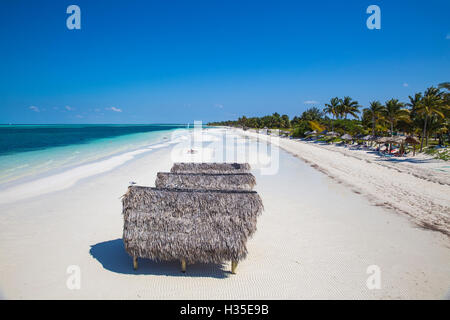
218 105
114 109
34 108
405 84
79 116
69 108
311 102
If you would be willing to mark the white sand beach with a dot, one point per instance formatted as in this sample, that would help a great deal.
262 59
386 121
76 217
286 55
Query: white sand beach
416 186
318 234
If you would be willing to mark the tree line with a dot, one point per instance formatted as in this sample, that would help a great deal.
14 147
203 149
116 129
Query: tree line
425 115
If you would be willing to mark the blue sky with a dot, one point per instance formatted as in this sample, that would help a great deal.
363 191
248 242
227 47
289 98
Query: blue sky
178 61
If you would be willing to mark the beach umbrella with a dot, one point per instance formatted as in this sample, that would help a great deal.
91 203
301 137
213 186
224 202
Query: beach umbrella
368 138
412 140
396 139
332 134
383 140
347 137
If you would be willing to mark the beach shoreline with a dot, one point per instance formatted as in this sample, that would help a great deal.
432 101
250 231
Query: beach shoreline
411 188
304 247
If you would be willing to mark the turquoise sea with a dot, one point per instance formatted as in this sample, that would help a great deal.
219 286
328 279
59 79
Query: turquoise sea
30 150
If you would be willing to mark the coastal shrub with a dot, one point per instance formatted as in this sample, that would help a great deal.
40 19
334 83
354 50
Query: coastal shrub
299 130
438 153
443 155
352 127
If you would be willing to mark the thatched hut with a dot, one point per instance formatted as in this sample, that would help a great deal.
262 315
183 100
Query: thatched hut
189 226
239 181
192 167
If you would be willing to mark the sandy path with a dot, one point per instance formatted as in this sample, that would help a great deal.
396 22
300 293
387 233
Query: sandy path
315 239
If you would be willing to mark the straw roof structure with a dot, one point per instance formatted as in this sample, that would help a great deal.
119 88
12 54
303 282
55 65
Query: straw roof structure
239 181
332 134
412 140
193 226
369 138
191 167
397 139
383 140
347 137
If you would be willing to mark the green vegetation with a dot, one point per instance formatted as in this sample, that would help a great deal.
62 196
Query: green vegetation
443 154
426 115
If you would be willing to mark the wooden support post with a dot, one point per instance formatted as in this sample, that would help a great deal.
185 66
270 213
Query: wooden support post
233 267
135 263
183 265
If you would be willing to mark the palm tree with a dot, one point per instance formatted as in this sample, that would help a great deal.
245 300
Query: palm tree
446 95
348 106
431 104
375 110
444 85
414 101
332 108
393 111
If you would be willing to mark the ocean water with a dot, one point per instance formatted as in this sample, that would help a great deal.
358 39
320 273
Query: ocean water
27 151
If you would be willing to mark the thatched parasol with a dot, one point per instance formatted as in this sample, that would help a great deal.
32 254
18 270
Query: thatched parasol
240 181
332 134
189 225
369 138
397 139
383 140
210 167
412 140
347 137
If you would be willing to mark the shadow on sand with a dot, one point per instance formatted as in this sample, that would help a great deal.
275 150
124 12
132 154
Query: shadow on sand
113 257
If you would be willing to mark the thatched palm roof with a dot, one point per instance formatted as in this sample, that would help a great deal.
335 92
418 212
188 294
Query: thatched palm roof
397 139
240 181
412 140
347 137
193 226
383 139
369 138
189 167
